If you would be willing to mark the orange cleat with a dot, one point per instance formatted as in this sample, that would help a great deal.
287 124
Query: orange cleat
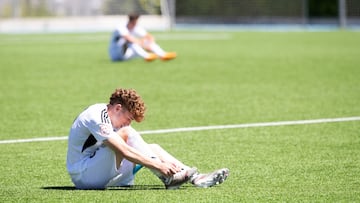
168 56
151 57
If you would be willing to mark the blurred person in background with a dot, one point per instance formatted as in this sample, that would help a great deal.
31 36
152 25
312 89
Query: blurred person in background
130 41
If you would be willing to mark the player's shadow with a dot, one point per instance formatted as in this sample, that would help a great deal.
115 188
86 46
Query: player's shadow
134 187
138 187
59 188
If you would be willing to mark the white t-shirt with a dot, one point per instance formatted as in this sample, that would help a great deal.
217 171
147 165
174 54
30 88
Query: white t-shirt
87 134
136 32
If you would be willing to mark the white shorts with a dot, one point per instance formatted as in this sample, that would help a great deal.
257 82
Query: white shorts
101 171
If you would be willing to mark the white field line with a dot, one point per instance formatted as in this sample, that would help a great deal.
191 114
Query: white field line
201 128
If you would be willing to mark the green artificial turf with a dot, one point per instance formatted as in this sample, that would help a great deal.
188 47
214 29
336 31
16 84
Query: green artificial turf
219 78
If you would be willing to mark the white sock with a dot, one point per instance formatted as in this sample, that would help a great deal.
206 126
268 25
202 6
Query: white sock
157 49
138 50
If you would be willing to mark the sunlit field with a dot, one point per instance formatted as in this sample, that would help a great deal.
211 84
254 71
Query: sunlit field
218 79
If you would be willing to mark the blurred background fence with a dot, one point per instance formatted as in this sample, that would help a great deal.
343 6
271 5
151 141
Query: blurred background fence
77 15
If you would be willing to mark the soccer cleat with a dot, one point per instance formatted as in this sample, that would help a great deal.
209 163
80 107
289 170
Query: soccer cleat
151 57
210 179
179 178
168 56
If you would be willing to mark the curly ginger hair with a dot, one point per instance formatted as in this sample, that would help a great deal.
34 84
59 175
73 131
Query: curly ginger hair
130 100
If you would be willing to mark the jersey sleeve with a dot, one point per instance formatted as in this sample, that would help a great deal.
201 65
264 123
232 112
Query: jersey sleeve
100 127
102 131
123 31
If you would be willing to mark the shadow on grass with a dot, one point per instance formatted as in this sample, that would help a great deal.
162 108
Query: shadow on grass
59 188
134 187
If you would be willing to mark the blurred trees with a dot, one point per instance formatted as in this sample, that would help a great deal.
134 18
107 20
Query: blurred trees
24 8
323 8
125 7
34 9
316 8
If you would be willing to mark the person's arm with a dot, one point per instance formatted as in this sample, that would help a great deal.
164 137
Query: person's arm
146 41
132 39
125 34
148 37
145 38
117 144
